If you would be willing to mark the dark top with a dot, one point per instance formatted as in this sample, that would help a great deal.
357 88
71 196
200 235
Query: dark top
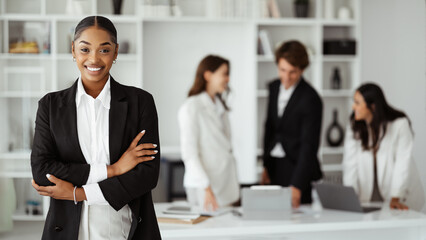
56 151
376 196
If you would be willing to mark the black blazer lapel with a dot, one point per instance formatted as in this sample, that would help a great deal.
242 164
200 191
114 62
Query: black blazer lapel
294 99
274 101
117 120
69 120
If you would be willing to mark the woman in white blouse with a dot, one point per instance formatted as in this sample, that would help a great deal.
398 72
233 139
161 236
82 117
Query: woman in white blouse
378 149
210 176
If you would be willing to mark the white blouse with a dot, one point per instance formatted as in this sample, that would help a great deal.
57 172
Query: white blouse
98 219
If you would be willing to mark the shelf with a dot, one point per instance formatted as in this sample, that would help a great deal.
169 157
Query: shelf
16 174
332 167
194 20
310 22
339 58
25 217
264 58
337 93
167 151
332 150
22 94
340 23
25 17
25 56
113 18
259 152
15 164
16 155
262 93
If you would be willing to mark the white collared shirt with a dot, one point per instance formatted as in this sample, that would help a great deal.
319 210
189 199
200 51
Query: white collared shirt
93 136
283 97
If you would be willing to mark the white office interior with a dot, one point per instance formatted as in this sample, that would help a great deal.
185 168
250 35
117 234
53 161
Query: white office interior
163 41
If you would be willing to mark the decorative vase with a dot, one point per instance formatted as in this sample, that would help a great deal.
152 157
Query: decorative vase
335 132
336 80
124 47
344 13
117 6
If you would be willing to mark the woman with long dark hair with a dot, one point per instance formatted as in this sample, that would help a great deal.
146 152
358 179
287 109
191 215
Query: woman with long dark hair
210 176
378 149
85 156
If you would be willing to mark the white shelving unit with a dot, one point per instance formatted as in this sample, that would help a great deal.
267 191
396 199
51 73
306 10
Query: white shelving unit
163 54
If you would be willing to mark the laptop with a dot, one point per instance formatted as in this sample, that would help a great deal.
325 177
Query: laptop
266 203
339 197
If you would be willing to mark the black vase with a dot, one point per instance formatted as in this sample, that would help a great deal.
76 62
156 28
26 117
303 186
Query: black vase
301 10
117 6
336 80
335 133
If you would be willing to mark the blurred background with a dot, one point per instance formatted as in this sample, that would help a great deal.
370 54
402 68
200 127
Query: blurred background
161 42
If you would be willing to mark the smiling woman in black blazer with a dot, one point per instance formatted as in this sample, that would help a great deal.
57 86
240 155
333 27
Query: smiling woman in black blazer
85 136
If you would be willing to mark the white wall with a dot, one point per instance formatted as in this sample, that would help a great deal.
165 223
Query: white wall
172 52
393 55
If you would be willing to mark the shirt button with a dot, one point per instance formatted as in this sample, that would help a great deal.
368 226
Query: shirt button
58 229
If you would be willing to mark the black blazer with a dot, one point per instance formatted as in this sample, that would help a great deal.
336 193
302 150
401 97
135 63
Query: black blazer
298 130
56 151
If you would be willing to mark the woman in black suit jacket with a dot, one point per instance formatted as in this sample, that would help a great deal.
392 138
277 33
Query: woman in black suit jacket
58 164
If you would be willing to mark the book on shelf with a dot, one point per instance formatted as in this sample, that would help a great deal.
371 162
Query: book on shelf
261 8
273 8
265 44
227 8
267 9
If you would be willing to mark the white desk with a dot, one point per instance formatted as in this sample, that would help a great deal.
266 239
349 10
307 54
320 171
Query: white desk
320 224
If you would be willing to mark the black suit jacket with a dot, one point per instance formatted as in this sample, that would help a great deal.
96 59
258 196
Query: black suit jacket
56 151
298 131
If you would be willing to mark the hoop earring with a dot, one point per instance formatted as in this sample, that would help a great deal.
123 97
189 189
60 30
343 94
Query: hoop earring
115 60
73 59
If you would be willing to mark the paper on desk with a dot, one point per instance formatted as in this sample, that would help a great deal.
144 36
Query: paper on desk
265 187
183 210
177 216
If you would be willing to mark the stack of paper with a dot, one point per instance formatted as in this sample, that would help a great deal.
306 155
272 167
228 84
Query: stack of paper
180 218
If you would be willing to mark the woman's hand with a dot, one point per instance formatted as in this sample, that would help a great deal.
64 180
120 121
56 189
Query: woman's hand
210 203
265 178
396 204
296 195
134 155
61 190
